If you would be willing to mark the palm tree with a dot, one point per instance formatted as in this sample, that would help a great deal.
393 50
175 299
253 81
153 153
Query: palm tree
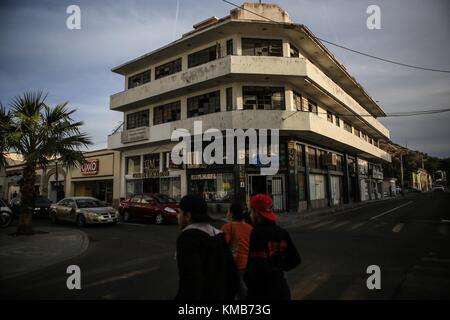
40 134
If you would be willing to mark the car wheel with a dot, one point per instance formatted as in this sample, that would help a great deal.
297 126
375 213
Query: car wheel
81 221
54 218
159 218
126 216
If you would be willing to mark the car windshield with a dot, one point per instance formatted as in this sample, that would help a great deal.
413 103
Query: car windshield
162 198
89 203
41 199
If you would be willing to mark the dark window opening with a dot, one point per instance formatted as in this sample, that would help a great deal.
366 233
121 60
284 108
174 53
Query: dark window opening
138 119
338 121
139 79
229 47
262 47
312 158
202 56
294 52
167 113
229 93
203 104
264 98
312 106
168 69
329 116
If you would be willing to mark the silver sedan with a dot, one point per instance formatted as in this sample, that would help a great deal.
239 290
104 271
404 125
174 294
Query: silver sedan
83 211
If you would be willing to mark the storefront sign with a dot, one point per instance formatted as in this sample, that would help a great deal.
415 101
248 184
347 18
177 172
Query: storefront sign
90 167
134 135
291 154
151 174
207 176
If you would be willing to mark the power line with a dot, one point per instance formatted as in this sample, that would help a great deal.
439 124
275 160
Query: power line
344 47
397 114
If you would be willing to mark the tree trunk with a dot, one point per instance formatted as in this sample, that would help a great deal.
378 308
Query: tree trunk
26 201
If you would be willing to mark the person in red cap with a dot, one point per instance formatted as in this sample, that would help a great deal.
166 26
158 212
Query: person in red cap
271 254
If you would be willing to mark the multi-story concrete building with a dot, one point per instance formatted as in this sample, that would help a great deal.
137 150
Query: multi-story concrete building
246 71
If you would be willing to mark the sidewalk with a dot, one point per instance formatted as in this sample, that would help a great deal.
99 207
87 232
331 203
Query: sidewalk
24 254
289 218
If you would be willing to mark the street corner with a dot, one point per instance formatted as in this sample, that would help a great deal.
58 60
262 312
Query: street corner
48 246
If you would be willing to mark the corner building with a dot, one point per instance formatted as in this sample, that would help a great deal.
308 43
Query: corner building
245 71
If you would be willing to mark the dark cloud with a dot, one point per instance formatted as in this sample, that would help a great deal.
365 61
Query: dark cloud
38 52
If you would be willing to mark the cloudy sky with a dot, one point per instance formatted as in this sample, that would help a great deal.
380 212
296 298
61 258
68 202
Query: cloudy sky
38 52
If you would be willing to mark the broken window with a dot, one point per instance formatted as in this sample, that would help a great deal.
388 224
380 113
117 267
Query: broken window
138 119
168 69
202 56
262 47
139 79
167 113
263 98
203 104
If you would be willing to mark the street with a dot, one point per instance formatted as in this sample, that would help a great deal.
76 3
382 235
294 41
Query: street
408 238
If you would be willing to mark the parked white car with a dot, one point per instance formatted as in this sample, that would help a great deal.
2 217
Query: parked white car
6 215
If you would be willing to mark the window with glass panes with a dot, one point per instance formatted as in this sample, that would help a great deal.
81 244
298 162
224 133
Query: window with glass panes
298 101
312 158
168 68
132 165
300 150
263 98
262 47
167 113
202 56
312 106
347 127
151 162
139 79
203 104
294 53
138 119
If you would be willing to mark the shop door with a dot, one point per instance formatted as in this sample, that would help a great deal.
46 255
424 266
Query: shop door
336 190
271 185
276 190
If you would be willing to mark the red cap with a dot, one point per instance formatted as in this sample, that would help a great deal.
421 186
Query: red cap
262 203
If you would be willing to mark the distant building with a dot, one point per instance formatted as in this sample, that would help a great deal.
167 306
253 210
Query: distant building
421 180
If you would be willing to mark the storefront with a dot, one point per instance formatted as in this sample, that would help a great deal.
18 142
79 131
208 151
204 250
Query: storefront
152 173
99 177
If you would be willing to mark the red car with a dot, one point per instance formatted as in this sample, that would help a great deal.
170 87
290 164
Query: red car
157 207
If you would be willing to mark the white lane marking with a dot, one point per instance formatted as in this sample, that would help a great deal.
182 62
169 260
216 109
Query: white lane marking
440 260
356 226
132 224
443 230
121 277
340 224
398 227
391 210
445 221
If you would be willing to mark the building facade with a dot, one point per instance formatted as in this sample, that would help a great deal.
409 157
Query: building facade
99 177
246 72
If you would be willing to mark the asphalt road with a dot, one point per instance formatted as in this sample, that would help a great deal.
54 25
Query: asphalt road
408 238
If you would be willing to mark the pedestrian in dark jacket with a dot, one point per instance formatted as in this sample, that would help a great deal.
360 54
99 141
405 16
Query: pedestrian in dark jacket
206 266
271 254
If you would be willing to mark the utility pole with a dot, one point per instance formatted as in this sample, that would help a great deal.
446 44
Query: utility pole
401 171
